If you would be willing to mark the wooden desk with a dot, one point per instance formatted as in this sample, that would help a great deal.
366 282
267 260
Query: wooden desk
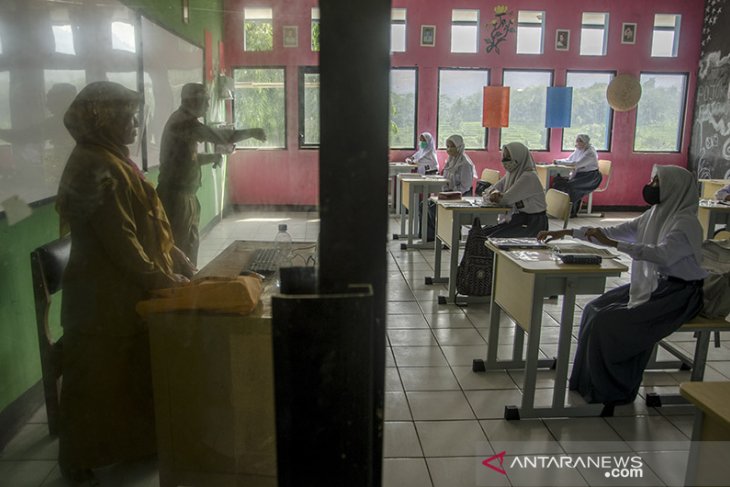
412 187
213 381
710 187
518 289
547 171
712 213
450 216
709 454
395 168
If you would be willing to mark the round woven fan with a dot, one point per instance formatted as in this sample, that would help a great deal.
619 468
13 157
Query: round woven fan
624 92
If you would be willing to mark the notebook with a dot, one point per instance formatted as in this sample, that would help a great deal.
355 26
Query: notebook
517 243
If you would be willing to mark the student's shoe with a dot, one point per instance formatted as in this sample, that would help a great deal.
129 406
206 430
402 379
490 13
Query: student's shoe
79 476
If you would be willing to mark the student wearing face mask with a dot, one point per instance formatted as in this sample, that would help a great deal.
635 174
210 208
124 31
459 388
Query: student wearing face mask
521 189
585 177
459 171
619 329
426 156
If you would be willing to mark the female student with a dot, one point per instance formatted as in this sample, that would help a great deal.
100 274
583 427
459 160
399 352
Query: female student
723 194
459 171
619 329
426 158
521 189
585 177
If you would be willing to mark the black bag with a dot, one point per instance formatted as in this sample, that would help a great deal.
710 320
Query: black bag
481 187
474 275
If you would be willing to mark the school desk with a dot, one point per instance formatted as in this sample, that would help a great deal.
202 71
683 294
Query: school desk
413 186
395 168
545 172
712 213
710 187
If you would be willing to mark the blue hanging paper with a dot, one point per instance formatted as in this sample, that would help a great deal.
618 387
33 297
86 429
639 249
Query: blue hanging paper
559 106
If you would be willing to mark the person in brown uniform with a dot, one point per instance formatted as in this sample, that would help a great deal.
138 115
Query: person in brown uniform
180 165
121 248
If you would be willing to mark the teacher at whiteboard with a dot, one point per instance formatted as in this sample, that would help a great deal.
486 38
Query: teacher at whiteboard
180 163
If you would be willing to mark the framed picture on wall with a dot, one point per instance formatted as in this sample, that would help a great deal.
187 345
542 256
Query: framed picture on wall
628 33
428 35
291 36
562 39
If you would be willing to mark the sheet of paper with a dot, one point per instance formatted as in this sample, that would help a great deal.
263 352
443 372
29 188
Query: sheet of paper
16 209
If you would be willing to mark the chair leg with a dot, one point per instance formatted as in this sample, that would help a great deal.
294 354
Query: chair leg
590 203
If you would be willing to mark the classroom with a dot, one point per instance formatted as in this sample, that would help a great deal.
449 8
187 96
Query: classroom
367 365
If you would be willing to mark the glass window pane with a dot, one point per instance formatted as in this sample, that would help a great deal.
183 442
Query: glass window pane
259 101
530 17
464 38
665 20
662 43
310 99
402 108
460 15
592 42
398 37
315 13
461 94
590 113
258 29
257 14
63 38
123 37
660 111
398 14
528 91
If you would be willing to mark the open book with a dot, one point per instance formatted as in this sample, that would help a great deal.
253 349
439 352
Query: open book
581 249
517 243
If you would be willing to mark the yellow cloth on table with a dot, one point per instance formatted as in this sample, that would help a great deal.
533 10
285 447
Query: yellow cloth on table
238 295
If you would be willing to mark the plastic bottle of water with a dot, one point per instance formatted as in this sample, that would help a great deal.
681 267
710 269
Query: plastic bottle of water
283 245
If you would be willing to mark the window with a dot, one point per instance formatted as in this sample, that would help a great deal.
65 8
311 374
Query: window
527 102
258 29
315 28
63 38
123 38
461 93
530 25
591 113
464 30
660 112
309 106
665 37
593 34
260 101
398 30
403 82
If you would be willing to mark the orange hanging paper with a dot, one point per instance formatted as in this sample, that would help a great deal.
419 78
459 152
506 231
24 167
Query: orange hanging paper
495 111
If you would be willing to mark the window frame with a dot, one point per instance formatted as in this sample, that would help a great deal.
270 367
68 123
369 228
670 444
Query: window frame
682 114
415 107
530 24
464 23
438 104
552 83
286 111
302 72
609 127
675 41
258 21
606 22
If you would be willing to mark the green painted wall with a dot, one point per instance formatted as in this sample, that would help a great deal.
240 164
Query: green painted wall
19 359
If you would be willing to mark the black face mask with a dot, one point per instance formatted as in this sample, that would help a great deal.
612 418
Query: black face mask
651 194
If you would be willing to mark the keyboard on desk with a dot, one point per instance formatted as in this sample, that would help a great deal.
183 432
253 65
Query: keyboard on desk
263 261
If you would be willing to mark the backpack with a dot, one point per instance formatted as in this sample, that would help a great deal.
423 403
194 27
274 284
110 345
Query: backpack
474 275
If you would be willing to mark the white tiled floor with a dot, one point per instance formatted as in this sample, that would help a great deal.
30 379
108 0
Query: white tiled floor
442 419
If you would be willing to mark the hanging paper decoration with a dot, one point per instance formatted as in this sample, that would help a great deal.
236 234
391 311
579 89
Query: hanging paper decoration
502 24
495 108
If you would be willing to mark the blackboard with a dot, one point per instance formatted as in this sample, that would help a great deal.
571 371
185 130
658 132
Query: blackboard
710 144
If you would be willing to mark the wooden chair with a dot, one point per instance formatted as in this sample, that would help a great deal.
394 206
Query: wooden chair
490 175
47 264
606 169
558 205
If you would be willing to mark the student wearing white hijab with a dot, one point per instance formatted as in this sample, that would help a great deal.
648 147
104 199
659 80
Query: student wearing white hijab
619 329
585 177
520 188
425 157
459 169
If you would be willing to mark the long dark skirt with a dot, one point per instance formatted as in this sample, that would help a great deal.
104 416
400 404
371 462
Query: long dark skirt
615 342
521 225
581 185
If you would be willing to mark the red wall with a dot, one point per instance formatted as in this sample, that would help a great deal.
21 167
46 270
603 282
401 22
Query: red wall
291 176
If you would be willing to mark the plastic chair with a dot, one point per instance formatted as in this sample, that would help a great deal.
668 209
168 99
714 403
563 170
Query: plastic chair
47 264
490 175
605 167
721 235
558 205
